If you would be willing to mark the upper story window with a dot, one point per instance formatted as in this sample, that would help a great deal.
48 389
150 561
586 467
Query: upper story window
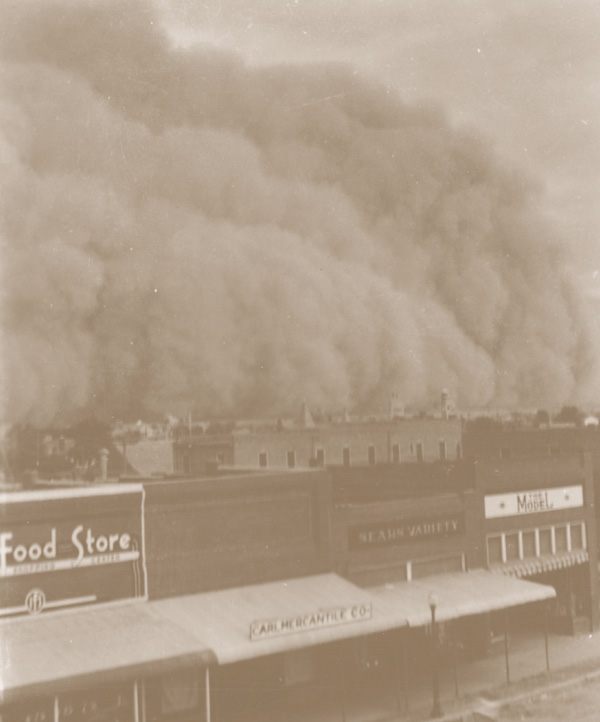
291 459
320 457
262 459
419 451
371 453
346 456
443 453
396 453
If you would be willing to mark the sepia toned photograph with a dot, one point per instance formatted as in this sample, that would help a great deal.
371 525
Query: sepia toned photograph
299 360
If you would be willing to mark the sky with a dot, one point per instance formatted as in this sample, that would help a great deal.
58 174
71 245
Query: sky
525 73
226 208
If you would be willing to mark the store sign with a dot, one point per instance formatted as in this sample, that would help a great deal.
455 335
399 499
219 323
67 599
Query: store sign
533 502
404 531
63 548
319 619
82 549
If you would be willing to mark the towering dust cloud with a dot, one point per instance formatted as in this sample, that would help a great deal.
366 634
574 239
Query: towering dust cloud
183 233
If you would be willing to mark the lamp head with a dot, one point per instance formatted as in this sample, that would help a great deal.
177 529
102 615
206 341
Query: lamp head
433 600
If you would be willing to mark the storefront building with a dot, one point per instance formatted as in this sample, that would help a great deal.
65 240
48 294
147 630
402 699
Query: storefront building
246 597
540 525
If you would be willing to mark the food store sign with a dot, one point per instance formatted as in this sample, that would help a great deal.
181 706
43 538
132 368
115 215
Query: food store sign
330 617
85 548
533 502
63 548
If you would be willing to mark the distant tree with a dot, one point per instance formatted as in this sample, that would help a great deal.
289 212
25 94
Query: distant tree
542 418
569 415
90 435
483 424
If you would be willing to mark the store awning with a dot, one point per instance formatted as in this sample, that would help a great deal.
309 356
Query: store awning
457 595
258 620
539 565
90 646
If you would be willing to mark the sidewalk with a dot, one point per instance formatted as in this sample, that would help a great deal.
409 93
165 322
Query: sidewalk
572 660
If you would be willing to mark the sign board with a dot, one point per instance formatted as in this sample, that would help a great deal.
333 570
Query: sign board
533 502
318 619
403 531
67 547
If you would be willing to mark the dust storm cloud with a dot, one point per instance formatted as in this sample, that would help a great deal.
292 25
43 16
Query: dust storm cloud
184 233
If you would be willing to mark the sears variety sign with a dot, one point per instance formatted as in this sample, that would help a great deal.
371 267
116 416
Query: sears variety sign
67 547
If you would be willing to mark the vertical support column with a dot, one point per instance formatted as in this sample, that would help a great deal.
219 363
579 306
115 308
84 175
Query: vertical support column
136 702
506 645
207 692
398 672
546 635
454 656
405 675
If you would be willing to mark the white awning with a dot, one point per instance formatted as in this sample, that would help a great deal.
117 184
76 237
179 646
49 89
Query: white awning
264 619
457 595
89 646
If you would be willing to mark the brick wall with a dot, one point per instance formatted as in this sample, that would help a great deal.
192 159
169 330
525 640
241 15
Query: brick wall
358 437
227 532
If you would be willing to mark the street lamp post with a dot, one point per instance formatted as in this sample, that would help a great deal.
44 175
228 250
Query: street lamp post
436 710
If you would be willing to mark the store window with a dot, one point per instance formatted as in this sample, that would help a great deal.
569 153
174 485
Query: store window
29 710
545 541
577 536
443 565
512 547
494 544
529 544
110 704
299 667
178 696
560 536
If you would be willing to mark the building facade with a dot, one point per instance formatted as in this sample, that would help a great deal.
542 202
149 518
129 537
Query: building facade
299 590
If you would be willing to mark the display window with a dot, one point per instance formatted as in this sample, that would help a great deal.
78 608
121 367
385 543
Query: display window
175 697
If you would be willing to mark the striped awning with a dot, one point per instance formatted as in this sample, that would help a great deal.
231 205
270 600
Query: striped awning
539 565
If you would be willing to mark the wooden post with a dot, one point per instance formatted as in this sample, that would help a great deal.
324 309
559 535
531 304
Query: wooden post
207 692
506 645
454 656
546 635
405 675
